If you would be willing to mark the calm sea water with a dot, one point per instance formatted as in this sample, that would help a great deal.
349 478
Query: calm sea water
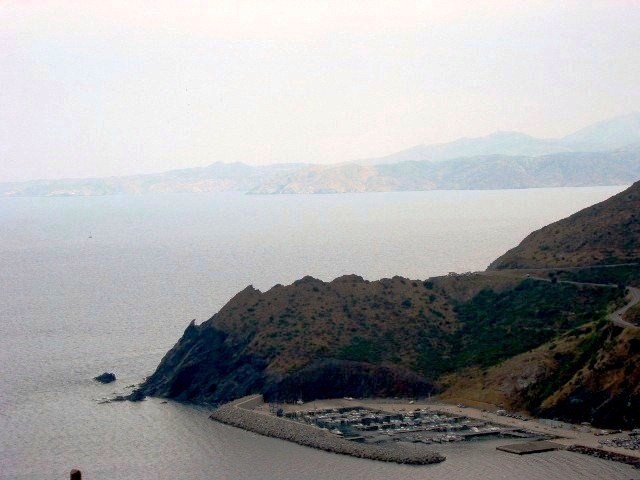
72 307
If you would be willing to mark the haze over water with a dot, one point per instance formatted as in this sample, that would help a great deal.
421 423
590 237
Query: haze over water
72 307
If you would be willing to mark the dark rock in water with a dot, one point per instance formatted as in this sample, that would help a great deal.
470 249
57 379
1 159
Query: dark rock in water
135 396
106 377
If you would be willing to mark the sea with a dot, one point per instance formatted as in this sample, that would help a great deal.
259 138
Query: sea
95 284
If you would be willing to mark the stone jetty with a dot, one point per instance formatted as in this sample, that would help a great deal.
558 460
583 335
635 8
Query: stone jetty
606 455
239 414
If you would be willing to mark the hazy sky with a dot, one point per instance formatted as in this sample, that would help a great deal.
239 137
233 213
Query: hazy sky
94 88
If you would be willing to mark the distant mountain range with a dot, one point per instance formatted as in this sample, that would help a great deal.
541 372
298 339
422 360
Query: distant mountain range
217 177
490 172
606 153
608 135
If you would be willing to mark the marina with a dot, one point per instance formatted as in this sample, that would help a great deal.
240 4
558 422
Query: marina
242 414
420 425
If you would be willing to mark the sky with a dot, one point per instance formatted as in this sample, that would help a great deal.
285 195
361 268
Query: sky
95 88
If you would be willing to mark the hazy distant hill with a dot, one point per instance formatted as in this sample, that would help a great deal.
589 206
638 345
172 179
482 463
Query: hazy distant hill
217 177
476 173
610 134
499 143
607 153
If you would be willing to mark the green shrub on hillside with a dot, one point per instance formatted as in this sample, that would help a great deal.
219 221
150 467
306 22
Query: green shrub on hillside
496 326
623 275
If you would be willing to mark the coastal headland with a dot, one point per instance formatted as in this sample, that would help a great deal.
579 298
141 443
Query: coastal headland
548 330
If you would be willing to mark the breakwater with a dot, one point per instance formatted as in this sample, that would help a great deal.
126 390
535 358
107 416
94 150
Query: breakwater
606 455
277 427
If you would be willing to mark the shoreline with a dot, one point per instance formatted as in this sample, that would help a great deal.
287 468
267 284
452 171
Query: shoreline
238 414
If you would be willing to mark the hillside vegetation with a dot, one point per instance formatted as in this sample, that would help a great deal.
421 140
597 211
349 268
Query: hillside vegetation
314 339
588 374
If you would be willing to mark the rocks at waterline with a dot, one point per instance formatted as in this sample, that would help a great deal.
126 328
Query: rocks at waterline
135 396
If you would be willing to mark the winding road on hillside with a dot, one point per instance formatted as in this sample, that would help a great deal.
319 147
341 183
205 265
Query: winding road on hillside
617 317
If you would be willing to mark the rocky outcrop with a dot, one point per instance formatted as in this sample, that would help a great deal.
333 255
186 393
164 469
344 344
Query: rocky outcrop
206 366
633 315
602 381
312 339
590 375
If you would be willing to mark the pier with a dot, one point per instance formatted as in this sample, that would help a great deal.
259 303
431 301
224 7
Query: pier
531 447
